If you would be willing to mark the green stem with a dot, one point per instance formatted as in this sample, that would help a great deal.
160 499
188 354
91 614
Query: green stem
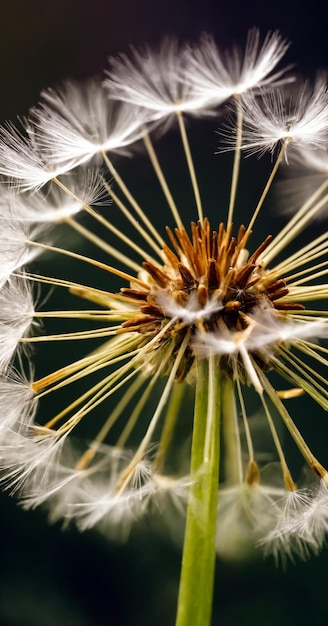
198 559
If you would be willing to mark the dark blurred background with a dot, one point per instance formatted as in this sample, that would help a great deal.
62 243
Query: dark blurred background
49 577
43 42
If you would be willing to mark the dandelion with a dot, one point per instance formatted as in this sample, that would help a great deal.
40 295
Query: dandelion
128 327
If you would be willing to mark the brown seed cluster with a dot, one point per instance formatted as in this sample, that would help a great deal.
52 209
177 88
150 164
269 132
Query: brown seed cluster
208 265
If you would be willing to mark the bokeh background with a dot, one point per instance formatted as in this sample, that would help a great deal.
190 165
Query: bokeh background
52 577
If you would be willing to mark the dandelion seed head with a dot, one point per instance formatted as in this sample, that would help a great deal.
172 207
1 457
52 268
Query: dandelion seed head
101 433
227 313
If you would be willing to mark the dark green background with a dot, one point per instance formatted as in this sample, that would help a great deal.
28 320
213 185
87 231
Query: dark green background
49 577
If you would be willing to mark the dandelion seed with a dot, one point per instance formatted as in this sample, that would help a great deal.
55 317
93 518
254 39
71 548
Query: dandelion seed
301 527
14 250
275 118
155 81
29 457
17 404
306 179
77 123
23 164
244 512
216 76
54 206
16 317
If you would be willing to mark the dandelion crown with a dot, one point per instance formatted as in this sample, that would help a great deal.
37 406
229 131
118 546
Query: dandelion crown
144 316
